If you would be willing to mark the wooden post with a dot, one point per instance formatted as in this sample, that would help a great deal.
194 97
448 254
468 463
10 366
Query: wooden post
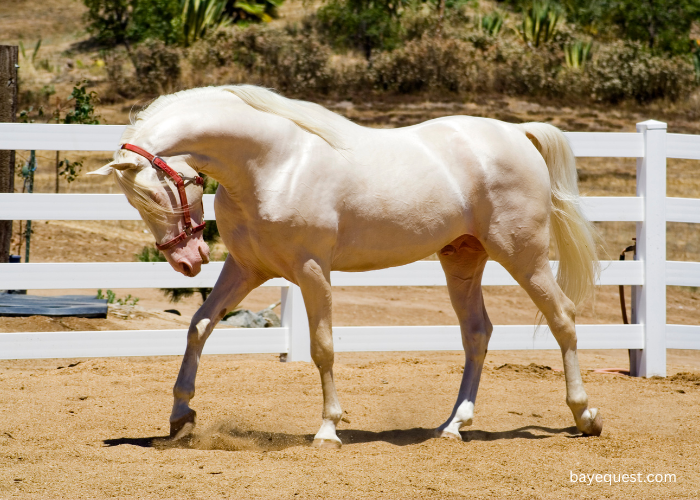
8 112
294 318
649 300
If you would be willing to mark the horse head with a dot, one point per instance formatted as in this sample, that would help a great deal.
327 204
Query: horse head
167 192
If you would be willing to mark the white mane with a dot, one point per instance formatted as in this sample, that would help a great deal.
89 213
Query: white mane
308 116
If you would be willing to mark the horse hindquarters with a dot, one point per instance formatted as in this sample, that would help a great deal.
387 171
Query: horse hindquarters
518 238
463 262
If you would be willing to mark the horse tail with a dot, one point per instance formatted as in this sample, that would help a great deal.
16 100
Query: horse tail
575 238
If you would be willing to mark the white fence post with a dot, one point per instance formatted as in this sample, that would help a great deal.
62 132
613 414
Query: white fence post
294 318
650 298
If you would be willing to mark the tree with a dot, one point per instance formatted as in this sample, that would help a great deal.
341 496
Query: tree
127 22
663 25
366 25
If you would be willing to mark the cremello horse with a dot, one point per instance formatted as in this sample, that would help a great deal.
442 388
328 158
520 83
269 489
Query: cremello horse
304 192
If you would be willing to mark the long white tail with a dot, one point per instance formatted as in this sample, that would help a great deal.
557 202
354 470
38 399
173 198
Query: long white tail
575 237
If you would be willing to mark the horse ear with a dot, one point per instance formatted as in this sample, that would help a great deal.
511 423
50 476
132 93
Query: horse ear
107 169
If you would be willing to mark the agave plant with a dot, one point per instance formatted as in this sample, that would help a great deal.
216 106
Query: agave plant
540 22
577 53
200 16
490 24
695 57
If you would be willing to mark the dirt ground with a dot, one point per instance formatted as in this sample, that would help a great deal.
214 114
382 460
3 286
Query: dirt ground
96 428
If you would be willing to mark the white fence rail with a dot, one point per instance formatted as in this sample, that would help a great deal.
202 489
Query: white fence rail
650 209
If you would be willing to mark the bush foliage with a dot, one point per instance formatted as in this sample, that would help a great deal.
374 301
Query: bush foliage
525 47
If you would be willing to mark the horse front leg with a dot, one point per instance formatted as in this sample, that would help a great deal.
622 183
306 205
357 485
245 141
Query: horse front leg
314 282
232 286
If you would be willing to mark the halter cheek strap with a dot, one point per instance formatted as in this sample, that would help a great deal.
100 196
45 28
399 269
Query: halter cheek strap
177 178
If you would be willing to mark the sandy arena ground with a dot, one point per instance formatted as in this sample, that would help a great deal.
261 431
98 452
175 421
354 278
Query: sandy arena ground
97 429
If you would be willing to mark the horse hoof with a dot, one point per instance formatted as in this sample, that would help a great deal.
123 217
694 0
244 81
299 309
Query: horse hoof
326 444
183 426
595 424
447 435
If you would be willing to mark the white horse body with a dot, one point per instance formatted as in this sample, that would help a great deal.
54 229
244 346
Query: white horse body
300 197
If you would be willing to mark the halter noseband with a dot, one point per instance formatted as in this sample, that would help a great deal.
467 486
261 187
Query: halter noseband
158 162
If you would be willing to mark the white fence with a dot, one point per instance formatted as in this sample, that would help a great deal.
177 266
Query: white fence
649 337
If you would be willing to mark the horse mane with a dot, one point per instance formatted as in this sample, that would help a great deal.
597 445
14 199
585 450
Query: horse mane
308 116
141 199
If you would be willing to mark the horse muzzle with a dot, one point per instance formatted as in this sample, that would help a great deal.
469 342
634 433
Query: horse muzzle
188 256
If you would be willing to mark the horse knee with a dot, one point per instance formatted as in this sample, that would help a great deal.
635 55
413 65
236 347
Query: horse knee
199 331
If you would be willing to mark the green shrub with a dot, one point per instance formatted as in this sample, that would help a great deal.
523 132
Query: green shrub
157 68
520 70
661 25
622 71
111 298
128 22
428 64
286 59
365 25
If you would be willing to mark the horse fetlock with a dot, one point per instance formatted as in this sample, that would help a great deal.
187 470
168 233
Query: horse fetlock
577 402
333 414
183 392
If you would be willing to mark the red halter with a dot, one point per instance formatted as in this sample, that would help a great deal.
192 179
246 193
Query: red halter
176 177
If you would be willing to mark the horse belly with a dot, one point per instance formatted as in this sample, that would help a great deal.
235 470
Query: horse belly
364 245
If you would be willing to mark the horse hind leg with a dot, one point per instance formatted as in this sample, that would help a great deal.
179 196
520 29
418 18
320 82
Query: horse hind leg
530 268
463 262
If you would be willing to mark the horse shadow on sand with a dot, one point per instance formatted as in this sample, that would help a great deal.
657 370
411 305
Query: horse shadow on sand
228 437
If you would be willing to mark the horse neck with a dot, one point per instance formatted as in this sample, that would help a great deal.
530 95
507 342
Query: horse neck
229 144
